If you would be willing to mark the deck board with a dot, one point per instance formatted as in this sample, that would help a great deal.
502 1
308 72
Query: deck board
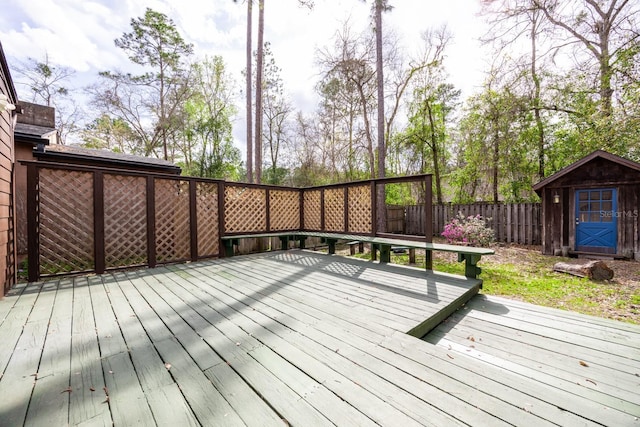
307 339
577 366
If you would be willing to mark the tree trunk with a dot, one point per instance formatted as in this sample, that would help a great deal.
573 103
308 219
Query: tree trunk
536 95
593 270
382 151
259 70
249 97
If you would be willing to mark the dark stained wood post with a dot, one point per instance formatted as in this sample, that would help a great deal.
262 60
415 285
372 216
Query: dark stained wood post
151 222
374 219
98 221
301 201
221 220
33 240
322 210
193 219
267 202
374 216
346 209
428 225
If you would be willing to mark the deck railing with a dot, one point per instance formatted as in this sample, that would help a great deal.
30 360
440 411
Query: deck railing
89 219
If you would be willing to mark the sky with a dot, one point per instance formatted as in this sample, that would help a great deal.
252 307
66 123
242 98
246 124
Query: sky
80 35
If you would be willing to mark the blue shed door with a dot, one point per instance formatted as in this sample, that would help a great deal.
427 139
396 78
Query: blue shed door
596 220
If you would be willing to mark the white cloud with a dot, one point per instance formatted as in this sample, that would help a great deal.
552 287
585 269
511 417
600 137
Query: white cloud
80 34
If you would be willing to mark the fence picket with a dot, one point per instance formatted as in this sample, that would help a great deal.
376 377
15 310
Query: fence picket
512 222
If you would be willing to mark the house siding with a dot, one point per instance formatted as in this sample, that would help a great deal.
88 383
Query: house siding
7 225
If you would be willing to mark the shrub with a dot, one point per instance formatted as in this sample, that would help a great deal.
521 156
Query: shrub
471 230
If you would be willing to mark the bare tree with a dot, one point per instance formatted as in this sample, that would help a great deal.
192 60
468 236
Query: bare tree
604 29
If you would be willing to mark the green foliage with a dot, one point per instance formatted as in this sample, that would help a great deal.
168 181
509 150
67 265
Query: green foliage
154 41
207 146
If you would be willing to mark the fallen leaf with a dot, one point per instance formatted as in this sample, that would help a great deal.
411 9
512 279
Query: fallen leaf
92 389
66 390
471 338
450 356
167 365
583 364
592 381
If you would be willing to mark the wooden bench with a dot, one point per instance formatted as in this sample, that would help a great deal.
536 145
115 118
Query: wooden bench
470 255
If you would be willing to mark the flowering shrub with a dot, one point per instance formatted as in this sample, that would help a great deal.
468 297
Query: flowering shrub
471 230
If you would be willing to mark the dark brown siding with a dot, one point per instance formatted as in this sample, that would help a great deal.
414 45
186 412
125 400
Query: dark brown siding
7 245
559 220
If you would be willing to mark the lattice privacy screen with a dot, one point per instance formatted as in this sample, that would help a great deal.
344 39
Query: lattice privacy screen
66 221
360 209
284 210
207 216
245 209
172 220
312 210
125 220
334 209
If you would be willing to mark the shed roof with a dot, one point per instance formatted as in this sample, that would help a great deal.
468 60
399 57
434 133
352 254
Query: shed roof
596 154
73 153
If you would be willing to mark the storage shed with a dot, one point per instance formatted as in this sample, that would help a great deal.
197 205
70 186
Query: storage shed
591 207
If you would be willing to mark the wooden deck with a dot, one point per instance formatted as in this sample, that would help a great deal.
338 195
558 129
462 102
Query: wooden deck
297 336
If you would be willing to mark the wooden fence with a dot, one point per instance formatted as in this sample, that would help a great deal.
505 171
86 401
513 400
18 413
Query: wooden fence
512 223
89 219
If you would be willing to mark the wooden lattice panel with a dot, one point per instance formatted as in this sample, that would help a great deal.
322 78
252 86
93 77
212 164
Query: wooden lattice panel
360 209
312 210
334 209
284 210
245 209
172 220
207 211
66 221
125 220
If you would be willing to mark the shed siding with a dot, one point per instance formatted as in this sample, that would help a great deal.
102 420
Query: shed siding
559 219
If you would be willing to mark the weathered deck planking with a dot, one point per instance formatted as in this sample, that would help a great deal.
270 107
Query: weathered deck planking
306 338
601 377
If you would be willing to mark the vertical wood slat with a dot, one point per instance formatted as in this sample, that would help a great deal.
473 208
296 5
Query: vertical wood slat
98 222
193 220
33 254
151 222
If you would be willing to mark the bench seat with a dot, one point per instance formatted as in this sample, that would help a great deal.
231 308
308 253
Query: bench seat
469 254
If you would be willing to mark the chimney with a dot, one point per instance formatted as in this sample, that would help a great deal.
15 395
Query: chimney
39 115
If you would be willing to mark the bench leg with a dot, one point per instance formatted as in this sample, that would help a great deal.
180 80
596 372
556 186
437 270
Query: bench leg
471 268
303 240
374 251
228 247
428 260
332 246
284 242
412 255
385 253
352 250
360 247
